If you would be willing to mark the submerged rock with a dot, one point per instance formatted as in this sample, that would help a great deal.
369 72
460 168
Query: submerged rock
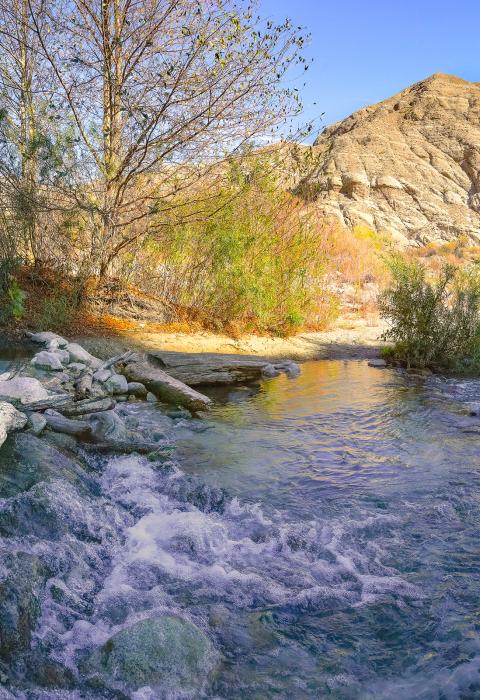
22 578
165 653
10 419
29 460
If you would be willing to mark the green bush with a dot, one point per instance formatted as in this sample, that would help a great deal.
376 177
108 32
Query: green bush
58 309
434 319
12 297
255 261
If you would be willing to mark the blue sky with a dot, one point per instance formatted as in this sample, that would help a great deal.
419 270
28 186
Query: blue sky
367 51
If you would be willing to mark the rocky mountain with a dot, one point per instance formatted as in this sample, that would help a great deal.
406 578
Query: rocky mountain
409 165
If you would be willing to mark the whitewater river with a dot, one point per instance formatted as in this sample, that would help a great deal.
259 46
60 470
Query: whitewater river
323 532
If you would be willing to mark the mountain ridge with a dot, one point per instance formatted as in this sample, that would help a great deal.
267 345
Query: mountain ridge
409 165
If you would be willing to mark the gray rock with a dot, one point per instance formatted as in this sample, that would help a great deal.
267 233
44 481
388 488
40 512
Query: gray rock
37 423
47 337
48 360
137 389
107 425
101 375
165 653
76 367
79 354
290 368
10 419
117 384
377 362
151 398
269 372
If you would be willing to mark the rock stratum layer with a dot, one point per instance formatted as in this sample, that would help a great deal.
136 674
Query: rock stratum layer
409 165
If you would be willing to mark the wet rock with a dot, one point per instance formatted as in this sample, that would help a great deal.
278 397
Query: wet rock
107 425
79 354
24 389
10 419
48 360
29 460
269 372
48 673
51 511
117 384
151 398
22 578
37 423
137 389
165 653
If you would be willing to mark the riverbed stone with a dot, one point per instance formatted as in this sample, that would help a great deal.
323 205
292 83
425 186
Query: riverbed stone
117 384
46 337
101 375
166 653
48 360
10 419
37 423
151 398
79 354
107 425
76 367
377 362
24 389
137 389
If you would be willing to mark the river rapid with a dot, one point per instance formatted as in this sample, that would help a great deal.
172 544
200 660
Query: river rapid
321 532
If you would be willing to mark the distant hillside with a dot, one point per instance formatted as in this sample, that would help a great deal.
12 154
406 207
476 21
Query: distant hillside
409 165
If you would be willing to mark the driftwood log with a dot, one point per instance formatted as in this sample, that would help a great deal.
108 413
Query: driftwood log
209 368
165 387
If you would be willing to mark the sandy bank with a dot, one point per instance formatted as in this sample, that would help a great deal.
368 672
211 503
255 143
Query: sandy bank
355 341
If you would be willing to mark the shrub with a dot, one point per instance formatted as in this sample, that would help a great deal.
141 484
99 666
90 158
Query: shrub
12 297
434 318
257 260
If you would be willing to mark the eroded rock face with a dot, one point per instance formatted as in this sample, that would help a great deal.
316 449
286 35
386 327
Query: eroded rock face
409 165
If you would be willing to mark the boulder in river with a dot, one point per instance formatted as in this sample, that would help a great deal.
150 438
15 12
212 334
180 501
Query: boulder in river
165 653
10 419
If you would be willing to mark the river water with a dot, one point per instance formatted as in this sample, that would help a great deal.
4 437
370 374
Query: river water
323 531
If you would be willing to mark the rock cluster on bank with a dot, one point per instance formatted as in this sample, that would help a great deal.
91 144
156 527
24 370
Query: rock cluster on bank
69 391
